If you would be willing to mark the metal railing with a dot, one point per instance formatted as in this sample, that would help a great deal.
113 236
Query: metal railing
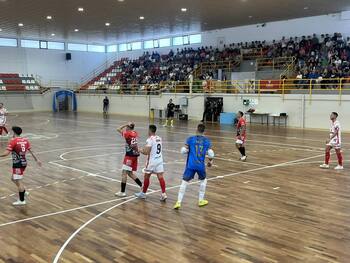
282 87
98 70
65 84
252 53
209 66
273 64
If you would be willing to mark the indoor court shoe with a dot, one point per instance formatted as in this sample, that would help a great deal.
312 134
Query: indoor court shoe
243 158
120 194
202 203
140 195
324 166
177 205
163 197
339 167
19 202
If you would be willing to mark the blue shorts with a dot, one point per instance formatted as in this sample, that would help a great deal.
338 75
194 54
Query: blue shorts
190 173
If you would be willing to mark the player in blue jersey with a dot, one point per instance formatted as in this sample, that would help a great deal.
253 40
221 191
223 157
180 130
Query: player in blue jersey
196 148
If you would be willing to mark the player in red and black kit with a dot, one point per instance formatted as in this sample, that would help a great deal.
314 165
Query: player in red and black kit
131 156
241 135
19 146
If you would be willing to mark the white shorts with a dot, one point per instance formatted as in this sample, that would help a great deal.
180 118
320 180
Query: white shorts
17 177
239 142
334 144
154 168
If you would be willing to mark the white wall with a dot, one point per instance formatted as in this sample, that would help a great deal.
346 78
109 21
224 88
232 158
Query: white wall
302 112
276 30
27 103
49 64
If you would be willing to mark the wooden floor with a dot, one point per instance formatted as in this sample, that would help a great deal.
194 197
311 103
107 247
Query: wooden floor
277 207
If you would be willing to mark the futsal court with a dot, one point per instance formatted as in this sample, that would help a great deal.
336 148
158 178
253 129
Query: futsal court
276 207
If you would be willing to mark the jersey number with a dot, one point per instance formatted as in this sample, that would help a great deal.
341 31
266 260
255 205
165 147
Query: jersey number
159 148
199 150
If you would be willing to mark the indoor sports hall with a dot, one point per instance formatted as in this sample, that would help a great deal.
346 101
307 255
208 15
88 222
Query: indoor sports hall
229 119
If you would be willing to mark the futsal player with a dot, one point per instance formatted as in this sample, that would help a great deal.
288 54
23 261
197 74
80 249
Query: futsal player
334 142
154 165
18 147
196 148
128 132
241 135
170 114
105 105
3 114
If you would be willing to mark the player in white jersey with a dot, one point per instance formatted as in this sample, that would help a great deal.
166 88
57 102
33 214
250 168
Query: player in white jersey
3 114
334 142
153 150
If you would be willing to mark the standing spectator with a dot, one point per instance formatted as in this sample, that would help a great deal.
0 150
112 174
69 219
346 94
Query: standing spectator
3 114
105 105
170 114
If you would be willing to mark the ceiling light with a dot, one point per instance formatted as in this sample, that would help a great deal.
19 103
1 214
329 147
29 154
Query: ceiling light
250 16
49 17
120 0
76 30
53 34
184 9
306 8
20 24
142 17
107 24
0 29
80 9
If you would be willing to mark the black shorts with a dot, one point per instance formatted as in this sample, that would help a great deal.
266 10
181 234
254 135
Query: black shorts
170 114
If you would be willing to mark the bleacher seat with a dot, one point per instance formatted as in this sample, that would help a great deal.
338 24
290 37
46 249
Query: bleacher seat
18 82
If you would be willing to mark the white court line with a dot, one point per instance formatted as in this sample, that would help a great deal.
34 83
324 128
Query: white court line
63 211
85 149
90 156
63 247
114 200
115 121
241 162
86 224
69 148
191 133
223 159
93 174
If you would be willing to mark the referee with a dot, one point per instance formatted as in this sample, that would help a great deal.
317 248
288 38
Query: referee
170 114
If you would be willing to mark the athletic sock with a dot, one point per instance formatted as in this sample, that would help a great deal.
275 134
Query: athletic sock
162 184
340 157
138 181
182 191
240 149
202 187
123 187
5 129
146 183
21 195
243 151
327 158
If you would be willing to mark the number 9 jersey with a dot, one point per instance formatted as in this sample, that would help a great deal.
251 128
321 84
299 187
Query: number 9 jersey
155 158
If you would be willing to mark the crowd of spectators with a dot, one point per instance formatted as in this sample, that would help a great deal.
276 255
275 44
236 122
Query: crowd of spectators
317 57
153 68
